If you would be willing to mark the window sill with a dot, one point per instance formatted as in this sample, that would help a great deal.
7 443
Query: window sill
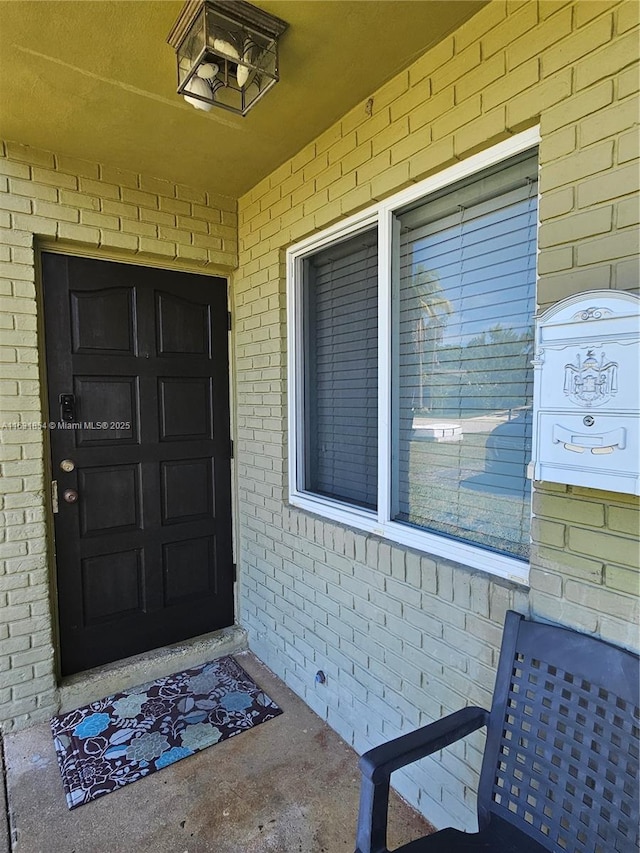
430 544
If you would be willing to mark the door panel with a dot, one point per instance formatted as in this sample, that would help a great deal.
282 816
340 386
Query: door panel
102 321
186 408
183 326
187 490
185 574
112 586
111 499
114 400
143 555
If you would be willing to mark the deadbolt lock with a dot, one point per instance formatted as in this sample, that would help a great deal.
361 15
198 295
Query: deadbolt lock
67 465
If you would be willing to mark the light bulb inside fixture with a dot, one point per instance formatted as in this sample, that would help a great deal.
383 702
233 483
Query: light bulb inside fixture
226 49
208 70
242 74
199 87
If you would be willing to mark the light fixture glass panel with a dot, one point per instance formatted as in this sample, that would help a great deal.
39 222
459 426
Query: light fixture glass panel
191 47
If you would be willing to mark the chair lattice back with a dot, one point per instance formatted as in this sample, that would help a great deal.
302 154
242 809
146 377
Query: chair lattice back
563 742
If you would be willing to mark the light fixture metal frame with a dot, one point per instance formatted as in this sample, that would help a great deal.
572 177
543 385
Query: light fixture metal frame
249 18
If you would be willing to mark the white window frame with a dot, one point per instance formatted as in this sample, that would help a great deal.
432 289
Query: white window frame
379 521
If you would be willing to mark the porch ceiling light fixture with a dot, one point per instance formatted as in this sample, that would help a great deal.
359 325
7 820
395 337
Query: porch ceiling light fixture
227 53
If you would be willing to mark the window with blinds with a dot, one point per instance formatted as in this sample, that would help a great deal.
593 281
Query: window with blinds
340 308
410 343
464 299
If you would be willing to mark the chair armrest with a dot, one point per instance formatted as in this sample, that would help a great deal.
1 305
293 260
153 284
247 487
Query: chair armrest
378 764
381 761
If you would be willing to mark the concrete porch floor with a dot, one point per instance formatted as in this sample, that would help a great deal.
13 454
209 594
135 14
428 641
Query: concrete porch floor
291 785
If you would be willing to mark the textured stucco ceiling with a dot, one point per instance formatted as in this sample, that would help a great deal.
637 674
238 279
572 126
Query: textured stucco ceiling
96 79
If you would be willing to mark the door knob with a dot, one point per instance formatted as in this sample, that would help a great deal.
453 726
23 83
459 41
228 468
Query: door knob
70 496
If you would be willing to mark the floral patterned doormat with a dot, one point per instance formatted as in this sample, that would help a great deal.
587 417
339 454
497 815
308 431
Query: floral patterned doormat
129 735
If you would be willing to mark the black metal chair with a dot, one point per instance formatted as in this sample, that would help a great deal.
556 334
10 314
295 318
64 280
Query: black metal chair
560 767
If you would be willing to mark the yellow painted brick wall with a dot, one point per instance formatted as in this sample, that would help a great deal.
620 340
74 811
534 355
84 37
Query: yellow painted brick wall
586 562
570 67
81 206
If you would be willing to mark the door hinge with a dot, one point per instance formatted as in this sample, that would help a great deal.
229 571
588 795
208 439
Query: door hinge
231 449
229 320
54 496
234 571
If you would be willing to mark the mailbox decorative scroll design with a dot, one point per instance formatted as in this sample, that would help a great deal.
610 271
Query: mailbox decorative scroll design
590 383
592 313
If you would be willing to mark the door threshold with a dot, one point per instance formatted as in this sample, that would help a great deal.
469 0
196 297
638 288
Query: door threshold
94 684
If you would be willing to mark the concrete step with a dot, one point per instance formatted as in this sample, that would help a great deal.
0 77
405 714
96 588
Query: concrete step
94 684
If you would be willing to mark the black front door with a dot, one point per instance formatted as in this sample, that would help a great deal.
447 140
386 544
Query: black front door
137 369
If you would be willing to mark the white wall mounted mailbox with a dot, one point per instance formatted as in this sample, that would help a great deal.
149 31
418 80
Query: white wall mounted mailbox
586 428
